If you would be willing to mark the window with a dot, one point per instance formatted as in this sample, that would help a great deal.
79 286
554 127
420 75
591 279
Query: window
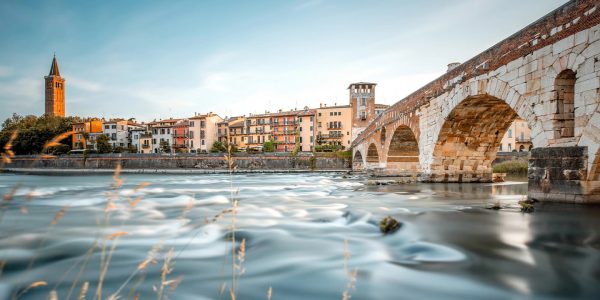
510 133
522 136
154 141
509 147
168 130
162 131
363 101
192 144
202 142
202 124
311 139
191 123
114 126
330 113
113 136
191 134
311 128
106 127
300 128
312 118
319 114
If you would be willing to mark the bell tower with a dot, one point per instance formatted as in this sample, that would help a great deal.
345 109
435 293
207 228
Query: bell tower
55 91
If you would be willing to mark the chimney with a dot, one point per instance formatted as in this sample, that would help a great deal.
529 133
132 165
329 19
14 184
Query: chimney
320 105
453 65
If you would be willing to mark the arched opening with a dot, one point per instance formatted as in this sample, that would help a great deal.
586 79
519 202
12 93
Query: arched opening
403 153
521 148
564 115
372 155
357 161
382 135
470 138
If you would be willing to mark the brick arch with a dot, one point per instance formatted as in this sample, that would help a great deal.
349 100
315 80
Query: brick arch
403 150
468 139
372 154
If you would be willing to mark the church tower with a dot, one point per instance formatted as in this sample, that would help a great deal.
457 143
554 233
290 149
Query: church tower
55 91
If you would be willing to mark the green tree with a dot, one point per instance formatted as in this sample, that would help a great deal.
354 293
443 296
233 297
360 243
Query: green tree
34 132
218 147
102 144
165 147
268 146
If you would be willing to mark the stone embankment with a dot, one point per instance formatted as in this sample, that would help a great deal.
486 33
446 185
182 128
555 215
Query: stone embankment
180 163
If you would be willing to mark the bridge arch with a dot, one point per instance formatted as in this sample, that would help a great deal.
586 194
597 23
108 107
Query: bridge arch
469 138
403 150
358 161
372 154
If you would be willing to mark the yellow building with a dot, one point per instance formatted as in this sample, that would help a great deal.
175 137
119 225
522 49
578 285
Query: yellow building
257 131
236 133
334 125
517 137
85 133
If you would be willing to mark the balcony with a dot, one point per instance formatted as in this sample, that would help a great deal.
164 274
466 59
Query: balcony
523 140
145 146
330 136
334 126
180 135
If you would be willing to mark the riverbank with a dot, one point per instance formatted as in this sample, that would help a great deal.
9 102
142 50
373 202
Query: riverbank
182 163
54 171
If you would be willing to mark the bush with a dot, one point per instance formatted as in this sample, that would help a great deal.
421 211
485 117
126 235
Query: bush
511 167
218 147
268 147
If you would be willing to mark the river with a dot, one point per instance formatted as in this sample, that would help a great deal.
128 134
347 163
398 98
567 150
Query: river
306 236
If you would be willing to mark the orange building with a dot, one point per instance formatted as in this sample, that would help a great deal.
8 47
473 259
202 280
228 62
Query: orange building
181 141
85 133
55 91
283 130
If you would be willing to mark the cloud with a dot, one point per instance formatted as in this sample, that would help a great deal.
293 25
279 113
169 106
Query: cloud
85 85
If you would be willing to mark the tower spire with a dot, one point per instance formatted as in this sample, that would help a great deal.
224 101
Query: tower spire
54 68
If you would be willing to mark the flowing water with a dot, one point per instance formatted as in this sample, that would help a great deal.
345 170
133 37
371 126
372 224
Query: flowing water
295 227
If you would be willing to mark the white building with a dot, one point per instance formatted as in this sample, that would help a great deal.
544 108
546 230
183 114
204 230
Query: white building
117 132
203 131
162 132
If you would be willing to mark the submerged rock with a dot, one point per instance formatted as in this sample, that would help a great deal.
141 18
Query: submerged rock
526 206
389 225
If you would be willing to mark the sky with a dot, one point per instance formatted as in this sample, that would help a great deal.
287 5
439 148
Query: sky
160 59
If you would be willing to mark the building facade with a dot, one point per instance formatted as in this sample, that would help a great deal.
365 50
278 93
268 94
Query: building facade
203 131
162 134
306 128
517 138
85 133
284 126
117 131
55 91
334 126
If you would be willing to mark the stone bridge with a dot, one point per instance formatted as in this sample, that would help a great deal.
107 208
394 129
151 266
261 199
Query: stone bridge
547 73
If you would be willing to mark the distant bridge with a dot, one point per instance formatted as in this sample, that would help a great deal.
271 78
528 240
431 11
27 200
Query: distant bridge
449 130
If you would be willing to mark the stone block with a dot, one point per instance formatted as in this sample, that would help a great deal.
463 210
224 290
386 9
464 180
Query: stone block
563 44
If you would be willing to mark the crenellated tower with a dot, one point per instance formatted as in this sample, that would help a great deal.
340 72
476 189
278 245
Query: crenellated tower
362 101
55 91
